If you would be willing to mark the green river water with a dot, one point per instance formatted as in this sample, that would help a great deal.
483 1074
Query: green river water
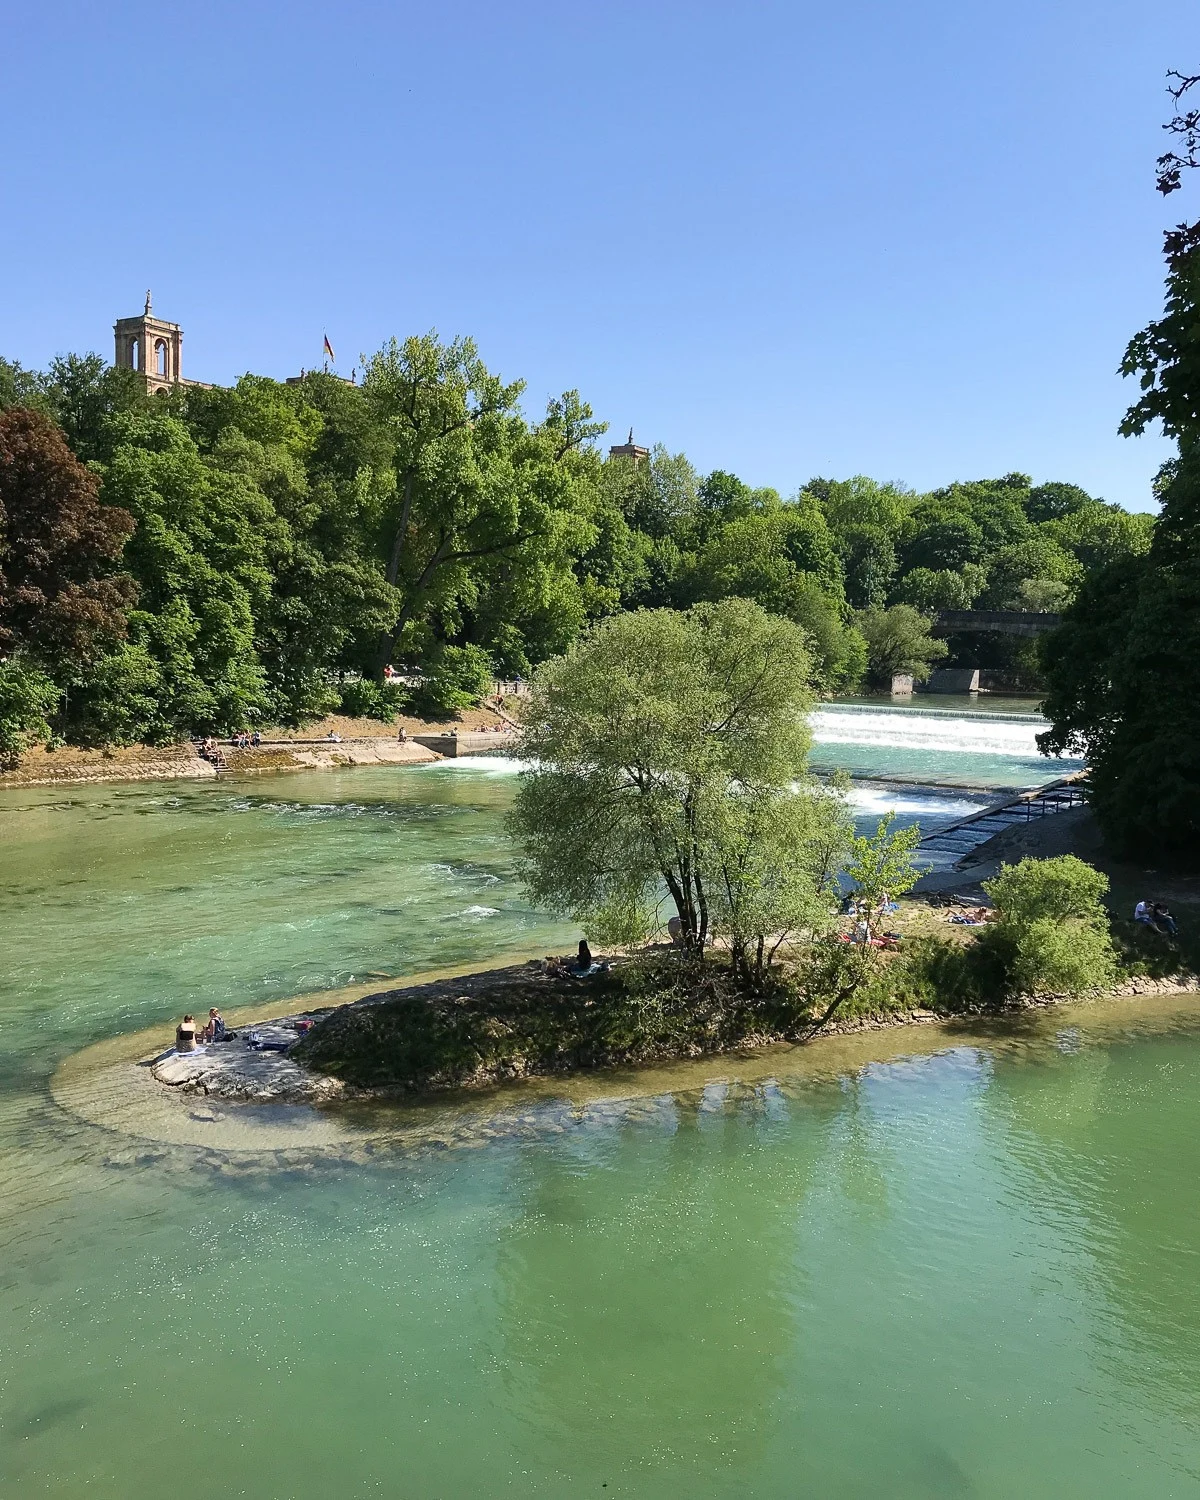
926 1263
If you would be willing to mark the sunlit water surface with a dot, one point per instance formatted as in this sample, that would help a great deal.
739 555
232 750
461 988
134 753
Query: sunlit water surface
937 1263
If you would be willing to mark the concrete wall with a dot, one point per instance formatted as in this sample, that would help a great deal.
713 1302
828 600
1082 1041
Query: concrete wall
954 680
466 742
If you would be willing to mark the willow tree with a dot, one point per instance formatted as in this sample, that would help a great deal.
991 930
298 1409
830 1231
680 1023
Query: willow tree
667 750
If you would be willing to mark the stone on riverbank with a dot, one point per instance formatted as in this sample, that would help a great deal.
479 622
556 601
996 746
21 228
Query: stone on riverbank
235 1070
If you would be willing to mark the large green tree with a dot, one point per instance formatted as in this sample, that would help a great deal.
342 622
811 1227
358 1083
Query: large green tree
654 743
1124 669
899 641
476 489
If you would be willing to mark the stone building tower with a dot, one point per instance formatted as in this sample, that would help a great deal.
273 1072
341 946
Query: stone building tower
151 347
629 449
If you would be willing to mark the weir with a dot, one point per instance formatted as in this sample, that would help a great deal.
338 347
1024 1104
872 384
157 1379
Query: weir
968 833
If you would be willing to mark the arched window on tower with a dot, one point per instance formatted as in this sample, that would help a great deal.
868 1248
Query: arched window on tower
135 355
160 358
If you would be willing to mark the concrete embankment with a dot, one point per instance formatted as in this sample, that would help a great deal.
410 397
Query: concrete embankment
72 766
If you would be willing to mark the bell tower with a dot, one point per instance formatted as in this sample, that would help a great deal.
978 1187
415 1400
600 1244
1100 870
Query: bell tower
151 347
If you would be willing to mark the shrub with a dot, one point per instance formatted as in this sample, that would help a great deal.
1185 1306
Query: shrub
364 699
458 677
1059 890
1055 958
1052 935
27 699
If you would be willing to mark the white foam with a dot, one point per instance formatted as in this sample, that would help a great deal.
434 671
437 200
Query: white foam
478 912
878 800
502 765
949 735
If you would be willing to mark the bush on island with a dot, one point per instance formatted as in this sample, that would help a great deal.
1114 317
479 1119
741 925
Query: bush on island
1050 937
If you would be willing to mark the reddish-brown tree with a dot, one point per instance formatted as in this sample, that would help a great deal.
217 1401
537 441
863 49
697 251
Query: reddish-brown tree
59 595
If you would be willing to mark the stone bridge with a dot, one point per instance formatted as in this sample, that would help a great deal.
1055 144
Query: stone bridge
993 622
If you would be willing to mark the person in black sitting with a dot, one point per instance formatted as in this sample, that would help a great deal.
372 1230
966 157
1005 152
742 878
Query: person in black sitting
1163 920
584 961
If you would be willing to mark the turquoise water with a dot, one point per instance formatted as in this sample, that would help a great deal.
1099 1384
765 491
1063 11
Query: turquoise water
935 744
939 1263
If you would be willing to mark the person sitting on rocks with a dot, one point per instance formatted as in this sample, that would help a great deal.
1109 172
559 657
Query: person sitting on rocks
215 1030
1143 914
583 961
185 1035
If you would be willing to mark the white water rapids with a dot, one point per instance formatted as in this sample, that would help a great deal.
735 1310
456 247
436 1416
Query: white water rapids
938 730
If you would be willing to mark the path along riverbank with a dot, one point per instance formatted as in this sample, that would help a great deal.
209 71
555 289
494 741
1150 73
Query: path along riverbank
358 742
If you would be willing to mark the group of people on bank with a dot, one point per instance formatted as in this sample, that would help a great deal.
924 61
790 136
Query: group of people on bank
1155 915
210 748
188 1036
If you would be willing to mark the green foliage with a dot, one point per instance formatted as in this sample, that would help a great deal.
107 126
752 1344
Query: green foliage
459 677
880 868
290 537
898 640
649 740
776 854
1055 890
362 698
1123 669
930 591
122 699
27 700
1052 934
1050 937
1034 571
835 977
1124 674
1048 958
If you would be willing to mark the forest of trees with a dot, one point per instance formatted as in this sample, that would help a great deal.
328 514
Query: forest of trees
211 559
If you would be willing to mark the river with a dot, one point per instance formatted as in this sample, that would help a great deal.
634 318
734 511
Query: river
933 1263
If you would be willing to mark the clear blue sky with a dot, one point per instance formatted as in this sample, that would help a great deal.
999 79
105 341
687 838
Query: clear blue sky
907 238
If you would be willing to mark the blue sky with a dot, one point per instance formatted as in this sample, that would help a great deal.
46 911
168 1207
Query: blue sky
902 239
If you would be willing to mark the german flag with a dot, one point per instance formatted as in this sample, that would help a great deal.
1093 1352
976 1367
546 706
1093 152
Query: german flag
329 349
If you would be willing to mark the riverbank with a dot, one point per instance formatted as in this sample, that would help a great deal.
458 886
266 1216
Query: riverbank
359 742
479 1030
